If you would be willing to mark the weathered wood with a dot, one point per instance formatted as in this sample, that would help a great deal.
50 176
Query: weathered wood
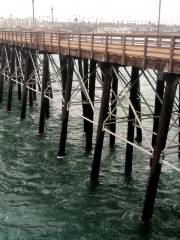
30 93
131 119
179 124
158 105
107 68
112 126
162 133
10 86
1 73
44 100
141 50
34 83
90 113
84 99
65 114
18 78
27 72
138 110
63 65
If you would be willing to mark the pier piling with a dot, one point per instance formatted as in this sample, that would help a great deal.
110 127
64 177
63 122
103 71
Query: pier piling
90 113
11 72
63 64
44 102
164 121
112 125
86 84
1 73
138 109
131 119
27 71
19 79
107 69
158 105
65 114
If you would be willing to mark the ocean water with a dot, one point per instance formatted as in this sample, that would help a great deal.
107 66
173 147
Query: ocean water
42 197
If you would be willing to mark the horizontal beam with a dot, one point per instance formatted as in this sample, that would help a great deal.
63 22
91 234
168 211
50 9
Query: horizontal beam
157 52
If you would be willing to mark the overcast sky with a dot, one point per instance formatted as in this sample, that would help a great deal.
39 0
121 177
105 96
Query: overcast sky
131 10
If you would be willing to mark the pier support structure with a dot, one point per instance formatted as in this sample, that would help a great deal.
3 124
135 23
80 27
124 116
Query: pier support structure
44 100
1 72
131 118
112 126
27 72
12 68
164 121
107 69
90 113
65 114
158 105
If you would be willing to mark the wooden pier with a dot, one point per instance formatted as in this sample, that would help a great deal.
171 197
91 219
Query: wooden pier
26 58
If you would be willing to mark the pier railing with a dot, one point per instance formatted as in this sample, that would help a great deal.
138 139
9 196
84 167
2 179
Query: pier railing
140 46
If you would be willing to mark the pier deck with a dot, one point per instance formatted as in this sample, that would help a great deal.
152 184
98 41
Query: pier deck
143 51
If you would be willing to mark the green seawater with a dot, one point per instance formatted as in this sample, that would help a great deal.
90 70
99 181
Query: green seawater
44 198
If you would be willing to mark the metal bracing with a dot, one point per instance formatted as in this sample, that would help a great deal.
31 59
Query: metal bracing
121 100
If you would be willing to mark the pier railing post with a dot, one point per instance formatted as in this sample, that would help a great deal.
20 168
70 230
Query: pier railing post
107 68
164 121
65 114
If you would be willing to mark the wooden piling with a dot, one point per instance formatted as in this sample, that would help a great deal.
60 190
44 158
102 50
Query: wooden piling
18 78
31 84
90 113
48 94
1 73
158 105
34 56
112 126
11 83
27 72
84 99
131 119
63 64
31 92
44 100
164 121
179 124
65 114
107 69
138 110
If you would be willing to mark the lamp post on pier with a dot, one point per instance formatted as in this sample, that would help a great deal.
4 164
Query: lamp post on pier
33 20
159 18
52 18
